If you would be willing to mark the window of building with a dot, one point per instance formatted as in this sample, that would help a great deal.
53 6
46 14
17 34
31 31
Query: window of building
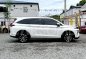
3 23
13 5
3 9
30 5
25 9
11 9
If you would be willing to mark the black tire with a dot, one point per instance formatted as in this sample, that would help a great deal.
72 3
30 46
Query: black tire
68 36
23 37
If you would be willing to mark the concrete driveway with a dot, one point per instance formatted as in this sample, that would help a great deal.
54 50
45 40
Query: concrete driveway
10 48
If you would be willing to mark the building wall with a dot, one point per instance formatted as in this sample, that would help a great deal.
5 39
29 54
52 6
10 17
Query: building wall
83 22
1 14
17 10
72 22
71 12
71 16
83 19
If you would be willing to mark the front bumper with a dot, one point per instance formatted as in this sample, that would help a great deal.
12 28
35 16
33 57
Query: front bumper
13 36
77 37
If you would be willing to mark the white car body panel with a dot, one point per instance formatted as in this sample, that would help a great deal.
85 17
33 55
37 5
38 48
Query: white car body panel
42 31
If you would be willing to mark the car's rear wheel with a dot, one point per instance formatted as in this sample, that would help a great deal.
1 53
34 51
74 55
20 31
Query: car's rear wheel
23 37
68 36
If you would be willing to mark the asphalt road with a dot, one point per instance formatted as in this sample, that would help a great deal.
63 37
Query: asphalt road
10 48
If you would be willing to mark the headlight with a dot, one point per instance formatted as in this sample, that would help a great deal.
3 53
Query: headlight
77 31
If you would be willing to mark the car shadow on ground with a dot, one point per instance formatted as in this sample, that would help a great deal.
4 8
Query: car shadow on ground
42 40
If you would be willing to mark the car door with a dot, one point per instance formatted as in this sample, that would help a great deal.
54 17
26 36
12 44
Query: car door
43 28
33 26
40 27
50 27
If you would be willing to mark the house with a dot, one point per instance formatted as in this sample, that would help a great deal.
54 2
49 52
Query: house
17 9
83 15
75 16
20 9
71 17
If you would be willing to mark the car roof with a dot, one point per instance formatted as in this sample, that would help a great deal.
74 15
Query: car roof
30 17
21 18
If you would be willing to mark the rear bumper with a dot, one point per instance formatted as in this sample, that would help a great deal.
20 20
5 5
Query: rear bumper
12 34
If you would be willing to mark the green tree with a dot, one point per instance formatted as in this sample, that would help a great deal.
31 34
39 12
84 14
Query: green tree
8 5
7 13
56 17
81 3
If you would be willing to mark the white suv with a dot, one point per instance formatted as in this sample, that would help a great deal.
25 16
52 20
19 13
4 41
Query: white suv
42 27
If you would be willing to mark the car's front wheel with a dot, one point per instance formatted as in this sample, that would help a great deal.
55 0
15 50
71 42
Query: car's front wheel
68 36
23 37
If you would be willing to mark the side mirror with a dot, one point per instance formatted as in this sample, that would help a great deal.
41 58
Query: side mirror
58 24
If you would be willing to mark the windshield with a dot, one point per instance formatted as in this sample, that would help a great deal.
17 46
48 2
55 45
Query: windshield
58 22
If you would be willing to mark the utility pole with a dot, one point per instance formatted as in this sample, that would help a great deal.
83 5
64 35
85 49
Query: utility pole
65 10
65 7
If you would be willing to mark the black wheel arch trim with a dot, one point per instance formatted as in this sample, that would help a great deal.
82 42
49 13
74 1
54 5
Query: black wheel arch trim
67 31
17 34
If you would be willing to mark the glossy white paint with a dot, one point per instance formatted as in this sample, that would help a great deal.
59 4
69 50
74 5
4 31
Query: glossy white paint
42 31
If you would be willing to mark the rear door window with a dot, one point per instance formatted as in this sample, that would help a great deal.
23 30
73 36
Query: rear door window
30 21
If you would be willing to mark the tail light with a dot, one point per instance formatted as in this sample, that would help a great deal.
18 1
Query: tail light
12 23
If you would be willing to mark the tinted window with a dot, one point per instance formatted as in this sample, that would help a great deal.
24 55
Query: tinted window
30 21
49 22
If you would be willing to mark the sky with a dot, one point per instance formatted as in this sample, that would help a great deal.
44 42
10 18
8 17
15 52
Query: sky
49 7
52 6
56 4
